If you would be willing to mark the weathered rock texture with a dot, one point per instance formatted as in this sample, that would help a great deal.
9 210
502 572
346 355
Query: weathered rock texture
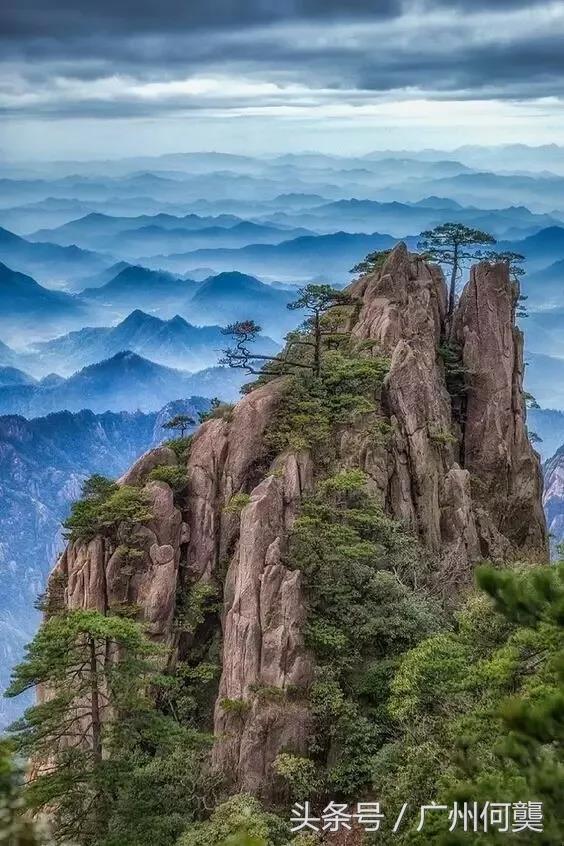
468 487
496 447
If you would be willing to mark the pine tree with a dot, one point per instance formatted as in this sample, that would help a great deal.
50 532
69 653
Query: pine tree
453 244
94 671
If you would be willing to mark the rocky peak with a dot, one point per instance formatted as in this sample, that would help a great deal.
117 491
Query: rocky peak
459 474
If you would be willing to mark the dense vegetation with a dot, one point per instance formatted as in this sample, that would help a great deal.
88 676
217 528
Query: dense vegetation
410 702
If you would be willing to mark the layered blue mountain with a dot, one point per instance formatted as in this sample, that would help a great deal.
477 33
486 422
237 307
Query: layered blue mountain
294 260
539 192
96 225
138 287
131 237
10 376
237 296
541 249
50 263
125 382
219 299
26 307
8 356
173 343
398 219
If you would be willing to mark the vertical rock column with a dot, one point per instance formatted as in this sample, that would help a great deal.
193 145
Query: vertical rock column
504 467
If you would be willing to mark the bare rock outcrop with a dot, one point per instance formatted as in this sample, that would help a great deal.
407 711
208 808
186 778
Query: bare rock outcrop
467 484
140 571
403 313
263 646
496 448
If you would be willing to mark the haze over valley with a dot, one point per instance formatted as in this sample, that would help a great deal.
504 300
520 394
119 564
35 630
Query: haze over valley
118 278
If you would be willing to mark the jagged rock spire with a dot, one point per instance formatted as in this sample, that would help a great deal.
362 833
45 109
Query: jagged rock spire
467 484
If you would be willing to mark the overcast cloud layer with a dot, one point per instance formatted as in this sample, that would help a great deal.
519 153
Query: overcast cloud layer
233 74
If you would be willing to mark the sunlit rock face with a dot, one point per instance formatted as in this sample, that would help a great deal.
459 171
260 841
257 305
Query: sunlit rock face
460 475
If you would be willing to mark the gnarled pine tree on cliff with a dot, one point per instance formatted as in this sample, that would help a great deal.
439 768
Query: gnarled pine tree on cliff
303 542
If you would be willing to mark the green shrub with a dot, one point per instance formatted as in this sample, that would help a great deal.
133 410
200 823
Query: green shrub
372 262
237 502
313 408
193 606
456 374
269 692
242 817
181 447
357 566
234 706
218 411
299 773
176 477
441 437
105 508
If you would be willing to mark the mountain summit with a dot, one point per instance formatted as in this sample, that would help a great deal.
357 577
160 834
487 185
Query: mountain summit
385 441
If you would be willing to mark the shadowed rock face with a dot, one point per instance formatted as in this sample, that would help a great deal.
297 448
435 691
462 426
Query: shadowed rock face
468 488
496 447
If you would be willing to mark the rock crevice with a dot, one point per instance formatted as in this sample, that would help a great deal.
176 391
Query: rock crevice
467 488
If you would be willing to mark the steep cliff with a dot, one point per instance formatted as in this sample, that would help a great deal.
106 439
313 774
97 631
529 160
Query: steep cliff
453 467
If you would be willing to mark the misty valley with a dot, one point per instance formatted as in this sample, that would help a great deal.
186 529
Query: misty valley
139 297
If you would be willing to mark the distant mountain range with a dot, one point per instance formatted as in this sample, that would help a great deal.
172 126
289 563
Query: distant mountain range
125 382
399 219
173 343
8 357
231 296
43 463
10 376
541 193
219 299
541 249
52 264
296 260
137 287
27 307
162 233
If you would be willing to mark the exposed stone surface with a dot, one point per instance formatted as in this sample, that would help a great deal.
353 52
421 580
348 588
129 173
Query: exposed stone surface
139 471
496 448
263 642
467 488
101 576
431 461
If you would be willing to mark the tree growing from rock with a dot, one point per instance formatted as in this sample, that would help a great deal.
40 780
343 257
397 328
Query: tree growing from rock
371 262
180 423
453 245
317 301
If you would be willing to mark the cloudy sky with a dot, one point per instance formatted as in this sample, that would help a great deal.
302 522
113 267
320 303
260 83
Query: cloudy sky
85 78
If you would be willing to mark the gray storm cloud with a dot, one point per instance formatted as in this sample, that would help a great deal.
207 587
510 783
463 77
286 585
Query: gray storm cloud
142 59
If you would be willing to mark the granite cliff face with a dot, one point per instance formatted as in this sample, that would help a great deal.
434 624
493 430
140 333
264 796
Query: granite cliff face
457 471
